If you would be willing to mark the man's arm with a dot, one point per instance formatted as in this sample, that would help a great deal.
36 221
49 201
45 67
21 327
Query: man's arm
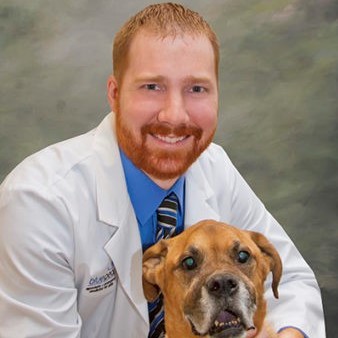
37 292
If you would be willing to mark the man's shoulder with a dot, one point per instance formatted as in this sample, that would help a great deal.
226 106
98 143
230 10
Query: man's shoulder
211 164
213 154
54 162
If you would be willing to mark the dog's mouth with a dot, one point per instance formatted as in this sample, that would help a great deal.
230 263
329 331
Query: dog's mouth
226 324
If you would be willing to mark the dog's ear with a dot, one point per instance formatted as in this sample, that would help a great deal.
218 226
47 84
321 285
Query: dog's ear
275 262
153 260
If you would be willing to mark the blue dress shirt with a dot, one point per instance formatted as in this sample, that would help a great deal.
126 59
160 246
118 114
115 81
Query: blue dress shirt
146 196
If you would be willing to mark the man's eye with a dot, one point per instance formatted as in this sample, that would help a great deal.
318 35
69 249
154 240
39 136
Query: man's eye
198 89
152 86
189 263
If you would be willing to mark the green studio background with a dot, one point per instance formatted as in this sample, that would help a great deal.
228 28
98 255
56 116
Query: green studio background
278 91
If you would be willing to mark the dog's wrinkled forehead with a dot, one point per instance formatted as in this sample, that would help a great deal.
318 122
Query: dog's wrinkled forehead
212 234
211 240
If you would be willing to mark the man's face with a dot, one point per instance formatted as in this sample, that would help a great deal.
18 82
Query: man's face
166 106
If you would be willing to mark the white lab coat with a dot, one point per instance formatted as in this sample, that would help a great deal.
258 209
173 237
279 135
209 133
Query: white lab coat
67 227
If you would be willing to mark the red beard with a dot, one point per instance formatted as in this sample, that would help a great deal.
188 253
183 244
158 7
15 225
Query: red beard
159 163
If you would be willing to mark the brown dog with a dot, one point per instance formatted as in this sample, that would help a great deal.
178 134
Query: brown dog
212 279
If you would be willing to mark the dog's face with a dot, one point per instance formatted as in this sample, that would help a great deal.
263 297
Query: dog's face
212 279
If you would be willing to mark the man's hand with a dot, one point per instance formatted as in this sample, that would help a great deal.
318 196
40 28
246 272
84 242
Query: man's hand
267 333
290 333
251 333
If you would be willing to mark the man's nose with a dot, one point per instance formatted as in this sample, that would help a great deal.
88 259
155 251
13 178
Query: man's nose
174 110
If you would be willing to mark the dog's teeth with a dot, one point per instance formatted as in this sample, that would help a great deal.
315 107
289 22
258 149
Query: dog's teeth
231 323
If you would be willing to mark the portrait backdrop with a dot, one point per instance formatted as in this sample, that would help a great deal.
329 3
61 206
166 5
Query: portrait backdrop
278 100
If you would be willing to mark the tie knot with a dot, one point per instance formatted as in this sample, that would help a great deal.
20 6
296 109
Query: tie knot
169 203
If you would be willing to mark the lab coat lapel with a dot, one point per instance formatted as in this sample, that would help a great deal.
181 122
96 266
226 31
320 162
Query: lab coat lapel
199 196
115 209
125 250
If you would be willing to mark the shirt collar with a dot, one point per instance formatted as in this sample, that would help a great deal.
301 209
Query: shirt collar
145 194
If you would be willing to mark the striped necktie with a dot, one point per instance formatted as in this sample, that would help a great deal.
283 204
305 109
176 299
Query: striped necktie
166 226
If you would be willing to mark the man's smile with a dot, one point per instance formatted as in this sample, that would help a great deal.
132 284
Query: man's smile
171 139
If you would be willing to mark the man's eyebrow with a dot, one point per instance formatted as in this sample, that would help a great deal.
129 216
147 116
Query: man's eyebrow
149 78
160 78
198 79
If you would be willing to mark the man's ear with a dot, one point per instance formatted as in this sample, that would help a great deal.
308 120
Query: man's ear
112 92
274 259
152 267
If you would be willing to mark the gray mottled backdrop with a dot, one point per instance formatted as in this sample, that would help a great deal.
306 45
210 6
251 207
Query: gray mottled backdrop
279 106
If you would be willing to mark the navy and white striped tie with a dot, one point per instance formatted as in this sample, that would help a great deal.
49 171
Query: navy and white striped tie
166 226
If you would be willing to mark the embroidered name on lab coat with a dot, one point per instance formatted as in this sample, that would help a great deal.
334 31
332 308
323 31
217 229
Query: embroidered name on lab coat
99 283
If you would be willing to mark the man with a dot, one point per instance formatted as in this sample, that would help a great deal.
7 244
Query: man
75 217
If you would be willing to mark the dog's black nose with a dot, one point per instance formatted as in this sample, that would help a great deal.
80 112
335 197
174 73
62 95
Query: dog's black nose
222 284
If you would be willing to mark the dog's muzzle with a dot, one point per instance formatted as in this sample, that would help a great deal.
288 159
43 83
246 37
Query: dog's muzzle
223 307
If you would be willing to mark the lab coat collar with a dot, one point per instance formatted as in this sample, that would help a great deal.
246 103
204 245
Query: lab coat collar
115 209
112 195
199 196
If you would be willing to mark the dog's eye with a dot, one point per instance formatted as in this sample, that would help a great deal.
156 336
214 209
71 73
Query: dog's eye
189 263
243 256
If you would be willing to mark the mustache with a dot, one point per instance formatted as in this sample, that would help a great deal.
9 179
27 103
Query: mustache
165 129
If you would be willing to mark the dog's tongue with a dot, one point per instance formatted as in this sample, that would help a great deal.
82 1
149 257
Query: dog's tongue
229 319
226 317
